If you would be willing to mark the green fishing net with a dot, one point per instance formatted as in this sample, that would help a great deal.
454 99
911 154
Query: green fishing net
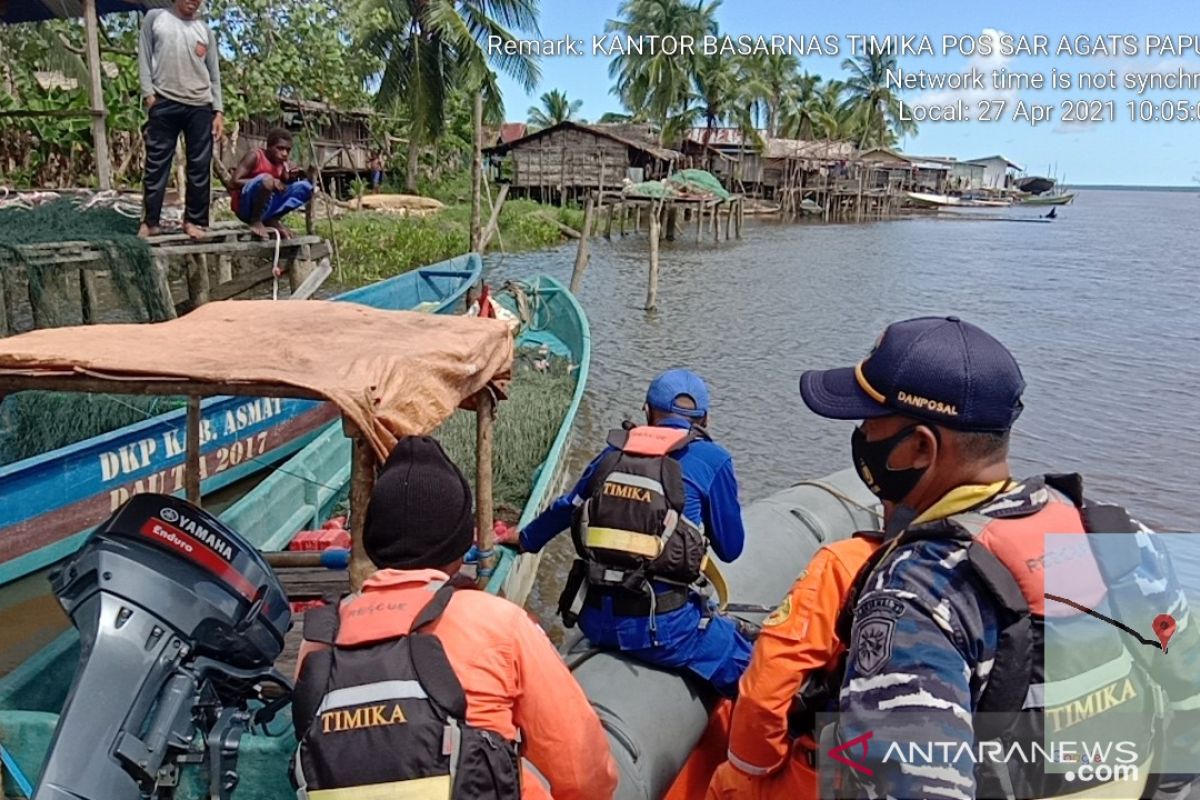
124 256
36 422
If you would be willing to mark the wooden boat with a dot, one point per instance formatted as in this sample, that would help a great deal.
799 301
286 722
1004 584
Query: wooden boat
52 499
32 694
303 492
1049 199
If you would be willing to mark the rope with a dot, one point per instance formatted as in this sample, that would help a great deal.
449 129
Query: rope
839 494
275 273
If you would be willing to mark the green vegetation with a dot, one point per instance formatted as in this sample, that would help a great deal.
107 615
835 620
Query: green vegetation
555 108
374 246
526 425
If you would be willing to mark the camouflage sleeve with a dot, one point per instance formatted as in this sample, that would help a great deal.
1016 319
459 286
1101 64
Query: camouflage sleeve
922 644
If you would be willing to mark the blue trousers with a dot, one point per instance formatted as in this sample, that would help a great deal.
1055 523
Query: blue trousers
714 649
293 196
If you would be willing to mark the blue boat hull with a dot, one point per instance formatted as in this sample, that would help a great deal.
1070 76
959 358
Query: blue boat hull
52 500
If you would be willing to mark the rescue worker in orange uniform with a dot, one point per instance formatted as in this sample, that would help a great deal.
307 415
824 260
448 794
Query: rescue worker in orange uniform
414 684
771 740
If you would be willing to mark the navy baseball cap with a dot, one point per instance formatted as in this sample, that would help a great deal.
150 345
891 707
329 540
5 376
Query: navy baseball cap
938 369
675 382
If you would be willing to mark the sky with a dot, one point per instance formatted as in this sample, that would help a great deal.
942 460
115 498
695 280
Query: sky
1121 151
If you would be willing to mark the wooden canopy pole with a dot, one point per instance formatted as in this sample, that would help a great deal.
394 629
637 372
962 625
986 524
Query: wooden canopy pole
191 471
91 24
485 413
362 483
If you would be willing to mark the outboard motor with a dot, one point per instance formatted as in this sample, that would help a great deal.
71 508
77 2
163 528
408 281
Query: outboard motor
181 621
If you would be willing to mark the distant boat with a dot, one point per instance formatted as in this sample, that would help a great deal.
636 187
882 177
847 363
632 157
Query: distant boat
1049 199
1035 184
927 200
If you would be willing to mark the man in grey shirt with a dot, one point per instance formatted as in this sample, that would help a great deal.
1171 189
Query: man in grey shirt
181 82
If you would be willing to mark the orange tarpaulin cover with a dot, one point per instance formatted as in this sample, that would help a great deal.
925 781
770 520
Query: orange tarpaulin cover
392 373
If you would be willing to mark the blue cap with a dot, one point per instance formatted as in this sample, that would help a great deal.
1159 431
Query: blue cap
675 382
938 369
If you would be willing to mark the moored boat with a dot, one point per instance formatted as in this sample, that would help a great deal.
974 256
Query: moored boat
1035 184
1049 199
51 500
553 325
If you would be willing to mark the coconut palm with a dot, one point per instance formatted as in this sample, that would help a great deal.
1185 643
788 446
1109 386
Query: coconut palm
876 107
658 85
555 108
427 47
771 82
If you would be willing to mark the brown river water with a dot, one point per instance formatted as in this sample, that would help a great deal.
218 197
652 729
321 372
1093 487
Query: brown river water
1099 307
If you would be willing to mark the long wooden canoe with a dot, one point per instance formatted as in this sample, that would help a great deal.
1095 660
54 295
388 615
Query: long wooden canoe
53 499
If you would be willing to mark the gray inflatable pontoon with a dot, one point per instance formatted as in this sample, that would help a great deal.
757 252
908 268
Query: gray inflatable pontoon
654 718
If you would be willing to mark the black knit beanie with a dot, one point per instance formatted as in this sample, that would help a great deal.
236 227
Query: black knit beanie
420 514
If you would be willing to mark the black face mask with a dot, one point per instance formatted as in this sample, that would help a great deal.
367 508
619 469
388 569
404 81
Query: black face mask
871 459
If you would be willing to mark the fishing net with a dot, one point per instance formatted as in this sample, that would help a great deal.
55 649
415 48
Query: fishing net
685 183
36 422
124 257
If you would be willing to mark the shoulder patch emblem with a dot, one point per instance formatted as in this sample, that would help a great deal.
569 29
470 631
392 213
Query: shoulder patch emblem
873 645
780 614
880 606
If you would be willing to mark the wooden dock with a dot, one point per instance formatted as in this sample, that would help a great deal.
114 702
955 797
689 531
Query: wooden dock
205 264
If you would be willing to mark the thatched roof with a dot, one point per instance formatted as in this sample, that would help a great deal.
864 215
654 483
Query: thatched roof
819 150
605 131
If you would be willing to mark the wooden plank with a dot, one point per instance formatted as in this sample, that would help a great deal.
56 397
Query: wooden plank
80 382
227 291
230 248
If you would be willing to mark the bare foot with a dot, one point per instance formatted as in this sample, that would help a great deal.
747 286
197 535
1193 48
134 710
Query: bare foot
284 230
146 231
193 230
259 230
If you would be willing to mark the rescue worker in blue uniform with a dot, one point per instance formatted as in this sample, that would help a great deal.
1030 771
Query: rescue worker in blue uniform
651 609
954 642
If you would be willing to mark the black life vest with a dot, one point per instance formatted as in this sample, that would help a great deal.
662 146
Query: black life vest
631 523
1094 670
388 718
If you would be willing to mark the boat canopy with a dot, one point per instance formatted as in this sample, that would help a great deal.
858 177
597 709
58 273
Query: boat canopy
391 373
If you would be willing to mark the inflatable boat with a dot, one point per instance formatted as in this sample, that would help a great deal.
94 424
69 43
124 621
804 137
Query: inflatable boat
655 719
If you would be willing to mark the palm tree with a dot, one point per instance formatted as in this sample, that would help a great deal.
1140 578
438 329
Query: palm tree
427 47
658 85
876 106
555 108
772 83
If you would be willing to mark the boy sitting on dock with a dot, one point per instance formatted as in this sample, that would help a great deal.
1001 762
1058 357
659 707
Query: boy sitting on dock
265 186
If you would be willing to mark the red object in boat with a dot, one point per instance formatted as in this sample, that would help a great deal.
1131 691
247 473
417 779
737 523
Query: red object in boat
485 305
322 539
300 606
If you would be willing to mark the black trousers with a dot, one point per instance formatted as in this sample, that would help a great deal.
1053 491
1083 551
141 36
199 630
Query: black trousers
168 119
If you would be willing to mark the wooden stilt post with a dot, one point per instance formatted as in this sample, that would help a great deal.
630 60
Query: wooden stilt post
88 302
623 212
728 219
6 326
652 284
716 222
197 278
91 26
741 216
637 218
163 286
362 483
224 269
485 413
191 470
672 221
699 222
608 226
581 254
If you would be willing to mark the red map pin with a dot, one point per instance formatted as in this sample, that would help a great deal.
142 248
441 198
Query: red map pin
1164 629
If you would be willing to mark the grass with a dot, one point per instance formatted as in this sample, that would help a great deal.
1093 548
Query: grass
525 429
373 246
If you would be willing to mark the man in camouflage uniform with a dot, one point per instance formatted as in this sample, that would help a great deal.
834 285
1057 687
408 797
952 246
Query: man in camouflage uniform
954 645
